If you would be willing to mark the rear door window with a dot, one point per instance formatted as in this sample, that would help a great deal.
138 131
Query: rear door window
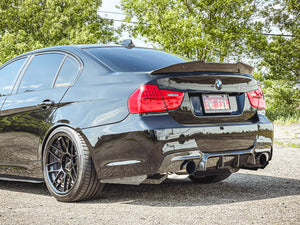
8 76
41 72
67 73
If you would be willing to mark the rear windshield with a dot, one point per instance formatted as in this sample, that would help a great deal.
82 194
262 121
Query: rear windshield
135 59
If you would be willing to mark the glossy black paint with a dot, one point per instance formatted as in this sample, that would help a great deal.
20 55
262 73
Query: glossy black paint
144 138
96 106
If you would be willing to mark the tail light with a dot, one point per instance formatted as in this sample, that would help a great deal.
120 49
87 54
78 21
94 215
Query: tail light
257 98
149 98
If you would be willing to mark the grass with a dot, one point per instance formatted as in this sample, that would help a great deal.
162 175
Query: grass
289 144
293 145
286 121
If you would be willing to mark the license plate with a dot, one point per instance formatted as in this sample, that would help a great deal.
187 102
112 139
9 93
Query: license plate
216 103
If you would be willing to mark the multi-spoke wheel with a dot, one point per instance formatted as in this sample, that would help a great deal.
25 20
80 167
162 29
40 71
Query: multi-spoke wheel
67 166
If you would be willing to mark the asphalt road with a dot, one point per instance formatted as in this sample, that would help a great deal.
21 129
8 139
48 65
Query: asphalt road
269 196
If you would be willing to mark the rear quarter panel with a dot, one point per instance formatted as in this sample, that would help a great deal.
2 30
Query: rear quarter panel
97 99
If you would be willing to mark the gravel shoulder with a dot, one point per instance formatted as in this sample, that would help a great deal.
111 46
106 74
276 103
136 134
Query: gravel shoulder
269 196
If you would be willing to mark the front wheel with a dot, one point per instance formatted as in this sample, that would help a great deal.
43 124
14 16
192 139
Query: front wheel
68 169
209 178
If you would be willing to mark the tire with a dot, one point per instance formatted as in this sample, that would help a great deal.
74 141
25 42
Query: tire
209 178
68 169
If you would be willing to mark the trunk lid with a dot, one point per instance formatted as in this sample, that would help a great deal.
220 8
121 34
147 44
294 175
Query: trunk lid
215 93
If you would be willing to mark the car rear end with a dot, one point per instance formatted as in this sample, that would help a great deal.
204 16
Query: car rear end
191 117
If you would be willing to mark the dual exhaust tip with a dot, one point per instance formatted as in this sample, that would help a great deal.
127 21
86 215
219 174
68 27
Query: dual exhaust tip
189 166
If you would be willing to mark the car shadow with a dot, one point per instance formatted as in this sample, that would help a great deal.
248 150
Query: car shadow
24 187
239 187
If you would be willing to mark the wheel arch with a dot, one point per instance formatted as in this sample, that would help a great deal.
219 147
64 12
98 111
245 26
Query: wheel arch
52 129
46 135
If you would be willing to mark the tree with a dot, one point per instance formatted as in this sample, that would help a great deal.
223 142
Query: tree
30 24
210 30
281 60
218 30
282 56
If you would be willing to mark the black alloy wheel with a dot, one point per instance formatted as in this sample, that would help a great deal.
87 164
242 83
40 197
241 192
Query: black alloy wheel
61 164
67 166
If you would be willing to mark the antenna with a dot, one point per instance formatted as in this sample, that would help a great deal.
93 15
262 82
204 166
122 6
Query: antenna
128 43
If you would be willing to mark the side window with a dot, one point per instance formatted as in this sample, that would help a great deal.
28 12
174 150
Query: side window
8 76
41 72
68 73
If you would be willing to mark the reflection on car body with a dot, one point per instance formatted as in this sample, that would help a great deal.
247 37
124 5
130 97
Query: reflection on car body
77 117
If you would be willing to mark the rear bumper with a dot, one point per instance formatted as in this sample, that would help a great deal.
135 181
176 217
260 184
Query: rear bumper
230 160
140 147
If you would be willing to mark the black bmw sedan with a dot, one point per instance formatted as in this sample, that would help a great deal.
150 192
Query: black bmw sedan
77 117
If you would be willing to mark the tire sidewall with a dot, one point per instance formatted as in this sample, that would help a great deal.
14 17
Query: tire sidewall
74 137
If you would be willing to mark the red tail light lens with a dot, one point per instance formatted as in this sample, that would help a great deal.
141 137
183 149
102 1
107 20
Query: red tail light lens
257 98
149 98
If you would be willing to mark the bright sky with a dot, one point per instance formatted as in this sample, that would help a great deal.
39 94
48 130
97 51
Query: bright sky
109 6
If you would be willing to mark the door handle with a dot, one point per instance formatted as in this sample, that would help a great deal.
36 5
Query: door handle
46 104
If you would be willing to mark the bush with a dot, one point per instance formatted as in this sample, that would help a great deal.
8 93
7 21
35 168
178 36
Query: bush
282 99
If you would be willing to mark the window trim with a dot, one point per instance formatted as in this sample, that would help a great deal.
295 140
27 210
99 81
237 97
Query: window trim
21 75
31 57
57 72
60 67
20 72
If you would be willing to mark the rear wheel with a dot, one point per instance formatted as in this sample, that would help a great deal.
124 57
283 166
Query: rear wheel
68 168
209 178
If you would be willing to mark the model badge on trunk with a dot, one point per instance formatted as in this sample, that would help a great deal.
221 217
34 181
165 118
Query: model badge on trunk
218 84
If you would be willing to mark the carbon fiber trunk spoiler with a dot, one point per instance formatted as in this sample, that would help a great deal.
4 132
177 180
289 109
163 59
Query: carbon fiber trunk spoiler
201 66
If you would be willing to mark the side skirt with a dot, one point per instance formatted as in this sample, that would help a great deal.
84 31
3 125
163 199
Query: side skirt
21 179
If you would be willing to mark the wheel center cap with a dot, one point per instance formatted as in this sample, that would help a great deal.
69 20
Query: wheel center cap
67 162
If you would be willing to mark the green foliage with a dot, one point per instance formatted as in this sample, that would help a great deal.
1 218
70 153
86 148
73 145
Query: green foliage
212 30
30 24
283 53
289 144
282 59
218 30
281 62
287 121
282 100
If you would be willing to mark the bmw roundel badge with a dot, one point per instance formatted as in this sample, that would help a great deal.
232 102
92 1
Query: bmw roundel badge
218 84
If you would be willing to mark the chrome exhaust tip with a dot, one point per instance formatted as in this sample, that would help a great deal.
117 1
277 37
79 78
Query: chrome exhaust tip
262 159
188 166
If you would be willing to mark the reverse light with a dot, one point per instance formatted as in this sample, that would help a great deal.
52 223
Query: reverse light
257 98
149 98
